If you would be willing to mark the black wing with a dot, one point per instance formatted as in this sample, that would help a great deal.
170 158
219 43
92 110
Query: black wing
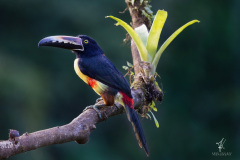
102 69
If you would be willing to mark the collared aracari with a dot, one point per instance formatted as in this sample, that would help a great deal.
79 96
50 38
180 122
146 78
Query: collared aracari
95 69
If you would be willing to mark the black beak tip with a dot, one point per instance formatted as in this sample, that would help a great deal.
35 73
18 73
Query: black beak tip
39 44
42 42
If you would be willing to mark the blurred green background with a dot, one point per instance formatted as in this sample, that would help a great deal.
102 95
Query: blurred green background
200 75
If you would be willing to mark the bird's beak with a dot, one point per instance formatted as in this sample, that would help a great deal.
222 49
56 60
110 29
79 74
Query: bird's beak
66 42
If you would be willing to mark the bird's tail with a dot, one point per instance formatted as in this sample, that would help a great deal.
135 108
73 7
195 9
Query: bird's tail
133 118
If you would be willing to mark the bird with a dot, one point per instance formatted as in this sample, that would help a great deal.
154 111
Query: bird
96 70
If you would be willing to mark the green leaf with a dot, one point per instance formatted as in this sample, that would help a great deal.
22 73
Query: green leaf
167 42
148 9
145 13
153 106
155 32
141 48
158 75
142 32
132 2
125 67
129 64
149 116
156 84
155 120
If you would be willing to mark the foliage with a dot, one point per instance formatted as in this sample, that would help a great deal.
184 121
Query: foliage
140 36
147 42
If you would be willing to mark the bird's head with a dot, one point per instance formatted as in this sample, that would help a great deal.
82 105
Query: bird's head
81 45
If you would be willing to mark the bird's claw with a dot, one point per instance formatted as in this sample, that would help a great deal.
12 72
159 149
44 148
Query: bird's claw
95 107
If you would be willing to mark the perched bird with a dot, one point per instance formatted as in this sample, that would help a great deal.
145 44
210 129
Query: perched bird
95 69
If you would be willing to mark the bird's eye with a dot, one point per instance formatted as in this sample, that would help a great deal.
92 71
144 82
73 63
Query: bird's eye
86 41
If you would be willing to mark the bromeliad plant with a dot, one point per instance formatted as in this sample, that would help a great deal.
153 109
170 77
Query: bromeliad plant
147 43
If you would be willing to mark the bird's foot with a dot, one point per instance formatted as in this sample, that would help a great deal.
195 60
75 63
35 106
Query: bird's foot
95 107
99 99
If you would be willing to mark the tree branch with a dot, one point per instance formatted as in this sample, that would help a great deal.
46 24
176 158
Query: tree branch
78 130
137 20
143 83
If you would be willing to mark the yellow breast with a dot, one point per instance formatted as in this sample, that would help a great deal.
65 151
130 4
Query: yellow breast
98 87
79 73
